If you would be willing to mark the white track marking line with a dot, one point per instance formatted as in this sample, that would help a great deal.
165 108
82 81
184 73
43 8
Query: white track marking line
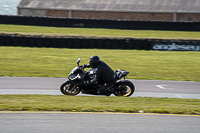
161 86
179 96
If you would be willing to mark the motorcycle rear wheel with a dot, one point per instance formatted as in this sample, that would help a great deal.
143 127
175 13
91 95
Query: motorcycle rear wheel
70 89
126 89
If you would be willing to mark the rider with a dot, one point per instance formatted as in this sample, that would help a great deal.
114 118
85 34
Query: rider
102 72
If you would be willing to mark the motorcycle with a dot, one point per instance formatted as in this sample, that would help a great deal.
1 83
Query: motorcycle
74 84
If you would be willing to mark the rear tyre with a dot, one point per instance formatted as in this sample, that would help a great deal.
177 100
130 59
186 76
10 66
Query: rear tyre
70 89
124 88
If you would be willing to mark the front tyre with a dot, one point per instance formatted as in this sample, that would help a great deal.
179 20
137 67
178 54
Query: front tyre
69 89
124 88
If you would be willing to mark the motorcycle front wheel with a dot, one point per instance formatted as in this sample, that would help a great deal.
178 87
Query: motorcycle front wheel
125 88
69 89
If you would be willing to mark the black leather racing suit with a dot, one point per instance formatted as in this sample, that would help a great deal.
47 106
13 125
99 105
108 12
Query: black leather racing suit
104 73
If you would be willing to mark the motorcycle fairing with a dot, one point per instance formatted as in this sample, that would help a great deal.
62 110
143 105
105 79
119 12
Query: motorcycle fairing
121 73
91 73
75 79
76 70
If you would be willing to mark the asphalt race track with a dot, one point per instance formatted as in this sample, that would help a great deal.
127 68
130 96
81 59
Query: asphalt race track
62 122
144 88
97 123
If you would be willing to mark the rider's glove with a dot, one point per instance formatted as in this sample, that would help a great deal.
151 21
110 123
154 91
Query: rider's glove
85 65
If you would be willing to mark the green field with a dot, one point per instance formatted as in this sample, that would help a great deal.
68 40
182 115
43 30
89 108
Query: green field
52 62
91 32
99 104
55 62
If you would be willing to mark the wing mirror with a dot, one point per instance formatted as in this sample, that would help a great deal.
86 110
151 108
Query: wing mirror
78 61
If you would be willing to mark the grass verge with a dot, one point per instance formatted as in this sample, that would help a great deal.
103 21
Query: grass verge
99 104
55 62
92 32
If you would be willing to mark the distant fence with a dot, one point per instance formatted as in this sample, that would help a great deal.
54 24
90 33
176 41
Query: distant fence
99 43
100 23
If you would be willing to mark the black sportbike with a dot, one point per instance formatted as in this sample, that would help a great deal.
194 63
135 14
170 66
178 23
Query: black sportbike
74 84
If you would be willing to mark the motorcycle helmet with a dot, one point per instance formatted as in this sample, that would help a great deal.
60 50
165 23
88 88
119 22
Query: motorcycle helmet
94 61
